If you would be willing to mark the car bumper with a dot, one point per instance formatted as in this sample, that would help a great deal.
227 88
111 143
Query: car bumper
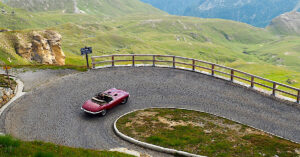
90 112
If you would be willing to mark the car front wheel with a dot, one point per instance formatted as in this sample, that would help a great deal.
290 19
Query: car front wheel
124 101
103 113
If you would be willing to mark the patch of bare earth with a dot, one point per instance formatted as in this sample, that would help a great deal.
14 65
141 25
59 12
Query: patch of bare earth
139 120
171 124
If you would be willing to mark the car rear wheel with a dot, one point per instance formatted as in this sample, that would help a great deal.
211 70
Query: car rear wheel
124 101
103 113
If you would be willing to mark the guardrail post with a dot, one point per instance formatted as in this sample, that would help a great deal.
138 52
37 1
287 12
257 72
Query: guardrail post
232 75
133 61
193 64
298 97
174 66
153 60
112 60
213 70
252 81
93 62
274 89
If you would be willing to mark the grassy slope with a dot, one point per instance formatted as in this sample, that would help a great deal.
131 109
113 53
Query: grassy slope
107 8
114 8
225 42
13 147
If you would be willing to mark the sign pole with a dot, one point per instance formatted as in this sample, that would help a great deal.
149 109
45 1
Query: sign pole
6 70
87 61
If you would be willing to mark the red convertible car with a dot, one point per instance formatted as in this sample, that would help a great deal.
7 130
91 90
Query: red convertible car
101 102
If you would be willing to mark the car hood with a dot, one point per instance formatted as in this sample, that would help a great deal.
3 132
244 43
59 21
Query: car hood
91 106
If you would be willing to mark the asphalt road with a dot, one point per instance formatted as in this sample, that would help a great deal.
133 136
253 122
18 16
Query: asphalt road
52 112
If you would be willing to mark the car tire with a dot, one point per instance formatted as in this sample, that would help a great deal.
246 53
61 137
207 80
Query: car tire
103 113
124 101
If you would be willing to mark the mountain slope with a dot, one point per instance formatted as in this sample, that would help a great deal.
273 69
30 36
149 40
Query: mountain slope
92 10
17 19
255 12
288 24
234 44
230 43
107 8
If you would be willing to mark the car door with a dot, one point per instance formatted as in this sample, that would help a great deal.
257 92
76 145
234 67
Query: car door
118 98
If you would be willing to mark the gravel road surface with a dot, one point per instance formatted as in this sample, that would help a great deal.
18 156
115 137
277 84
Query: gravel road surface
34 78
52 112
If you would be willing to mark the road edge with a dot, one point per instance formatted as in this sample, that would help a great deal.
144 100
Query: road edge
19 93
147 145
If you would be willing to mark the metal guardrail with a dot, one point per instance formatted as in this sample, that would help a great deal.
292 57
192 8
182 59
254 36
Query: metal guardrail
193 65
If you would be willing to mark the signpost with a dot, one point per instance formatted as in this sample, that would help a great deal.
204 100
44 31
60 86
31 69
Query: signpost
6 68
85 51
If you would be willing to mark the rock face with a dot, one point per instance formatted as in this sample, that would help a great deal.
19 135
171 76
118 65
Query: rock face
287 23
40 46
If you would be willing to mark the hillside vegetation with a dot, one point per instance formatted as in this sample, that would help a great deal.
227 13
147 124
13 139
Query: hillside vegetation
230 43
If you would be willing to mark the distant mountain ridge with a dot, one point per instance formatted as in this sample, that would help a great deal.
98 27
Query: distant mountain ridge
254 12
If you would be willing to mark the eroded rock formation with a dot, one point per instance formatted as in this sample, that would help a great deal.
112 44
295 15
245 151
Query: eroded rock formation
40 46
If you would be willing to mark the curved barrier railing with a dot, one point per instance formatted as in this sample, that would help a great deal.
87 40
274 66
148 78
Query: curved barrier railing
275 88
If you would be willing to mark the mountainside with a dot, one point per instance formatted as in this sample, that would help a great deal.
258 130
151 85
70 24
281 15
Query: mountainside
288 23
255 12
108 8
238 45
16 19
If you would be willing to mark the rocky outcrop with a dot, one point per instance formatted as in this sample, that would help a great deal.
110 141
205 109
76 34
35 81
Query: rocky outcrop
5 95
287 23
40 46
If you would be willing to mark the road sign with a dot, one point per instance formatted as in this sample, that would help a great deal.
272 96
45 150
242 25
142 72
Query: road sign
86 50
